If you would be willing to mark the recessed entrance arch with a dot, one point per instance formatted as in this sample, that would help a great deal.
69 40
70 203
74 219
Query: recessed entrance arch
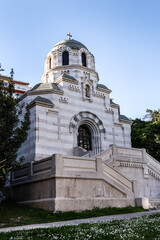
93 126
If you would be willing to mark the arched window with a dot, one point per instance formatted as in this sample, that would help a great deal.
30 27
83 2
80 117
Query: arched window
84 60
65 58
49 63
87 91
84 137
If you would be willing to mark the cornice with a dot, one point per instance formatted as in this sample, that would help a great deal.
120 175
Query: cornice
72 67
37 103
125 121
103 90
30 93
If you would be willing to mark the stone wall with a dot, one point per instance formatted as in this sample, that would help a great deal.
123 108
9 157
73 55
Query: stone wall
71 183
115 177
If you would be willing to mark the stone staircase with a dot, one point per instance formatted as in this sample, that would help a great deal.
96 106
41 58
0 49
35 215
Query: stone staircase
154 203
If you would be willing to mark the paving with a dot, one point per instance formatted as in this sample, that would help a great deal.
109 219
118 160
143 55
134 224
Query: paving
79 221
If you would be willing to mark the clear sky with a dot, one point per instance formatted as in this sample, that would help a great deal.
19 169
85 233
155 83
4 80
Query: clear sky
123 35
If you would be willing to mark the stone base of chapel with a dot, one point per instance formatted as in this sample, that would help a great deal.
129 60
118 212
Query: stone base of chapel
118 177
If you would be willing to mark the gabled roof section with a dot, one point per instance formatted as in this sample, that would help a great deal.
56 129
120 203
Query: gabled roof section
103 88
67 78
124 118
113 103
42 102
45 86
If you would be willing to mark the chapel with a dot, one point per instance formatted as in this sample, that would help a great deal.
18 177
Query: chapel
78 153
72 113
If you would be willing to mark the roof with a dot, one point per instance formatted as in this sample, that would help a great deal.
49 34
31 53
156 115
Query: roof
73 44
69 77
111 102
123 117
45 86
102 86
41 100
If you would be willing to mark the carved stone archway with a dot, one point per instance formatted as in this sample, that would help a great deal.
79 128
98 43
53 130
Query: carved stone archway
94 124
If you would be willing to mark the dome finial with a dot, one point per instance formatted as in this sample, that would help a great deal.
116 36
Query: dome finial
69 36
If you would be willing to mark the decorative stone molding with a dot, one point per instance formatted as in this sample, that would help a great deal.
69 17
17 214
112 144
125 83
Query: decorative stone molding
75 54
153 174
84 50
52 112
63 100
65 71
124 164
74 88
98 94
82 115
109 110
62 49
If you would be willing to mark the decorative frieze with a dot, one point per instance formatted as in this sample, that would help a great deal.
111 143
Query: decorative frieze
63 100
75 54
124 164
74 88
109 110
153 174
65 71
98 94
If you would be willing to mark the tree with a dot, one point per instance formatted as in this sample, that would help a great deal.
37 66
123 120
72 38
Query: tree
146 133
13 131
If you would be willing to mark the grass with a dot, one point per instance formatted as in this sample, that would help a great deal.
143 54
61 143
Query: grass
146 227
12 214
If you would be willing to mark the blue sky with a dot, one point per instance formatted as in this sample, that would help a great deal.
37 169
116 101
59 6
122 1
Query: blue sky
123 35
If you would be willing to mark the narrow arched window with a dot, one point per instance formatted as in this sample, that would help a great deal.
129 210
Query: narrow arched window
84 60
84 137
49 63
87 91
65 58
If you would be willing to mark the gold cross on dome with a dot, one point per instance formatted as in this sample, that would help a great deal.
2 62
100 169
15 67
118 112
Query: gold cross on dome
69 36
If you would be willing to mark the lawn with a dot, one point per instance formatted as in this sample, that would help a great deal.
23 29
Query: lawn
12 214
146 227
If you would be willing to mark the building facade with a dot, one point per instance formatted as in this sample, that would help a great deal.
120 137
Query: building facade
19 86
78 152
71 112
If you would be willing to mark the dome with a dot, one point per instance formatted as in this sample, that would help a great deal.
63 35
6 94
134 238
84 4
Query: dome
71 43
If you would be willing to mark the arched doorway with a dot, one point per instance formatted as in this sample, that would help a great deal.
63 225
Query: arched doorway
84 138
96 130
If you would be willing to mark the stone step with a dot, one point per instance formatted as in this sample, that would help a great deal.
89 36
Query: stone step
154 203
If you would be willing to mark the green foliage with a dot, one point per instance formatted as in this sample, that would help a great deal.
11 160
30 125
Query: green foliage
12 214
146 227
146 133
13 131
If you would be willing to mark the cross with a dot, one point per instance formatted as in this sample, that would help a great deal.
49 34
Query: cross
69 36
59 125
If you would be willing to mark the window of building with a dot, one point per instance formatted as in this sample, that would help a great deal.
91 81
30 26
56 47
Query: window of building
84 60
87 91
49 63
84 137
65 58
